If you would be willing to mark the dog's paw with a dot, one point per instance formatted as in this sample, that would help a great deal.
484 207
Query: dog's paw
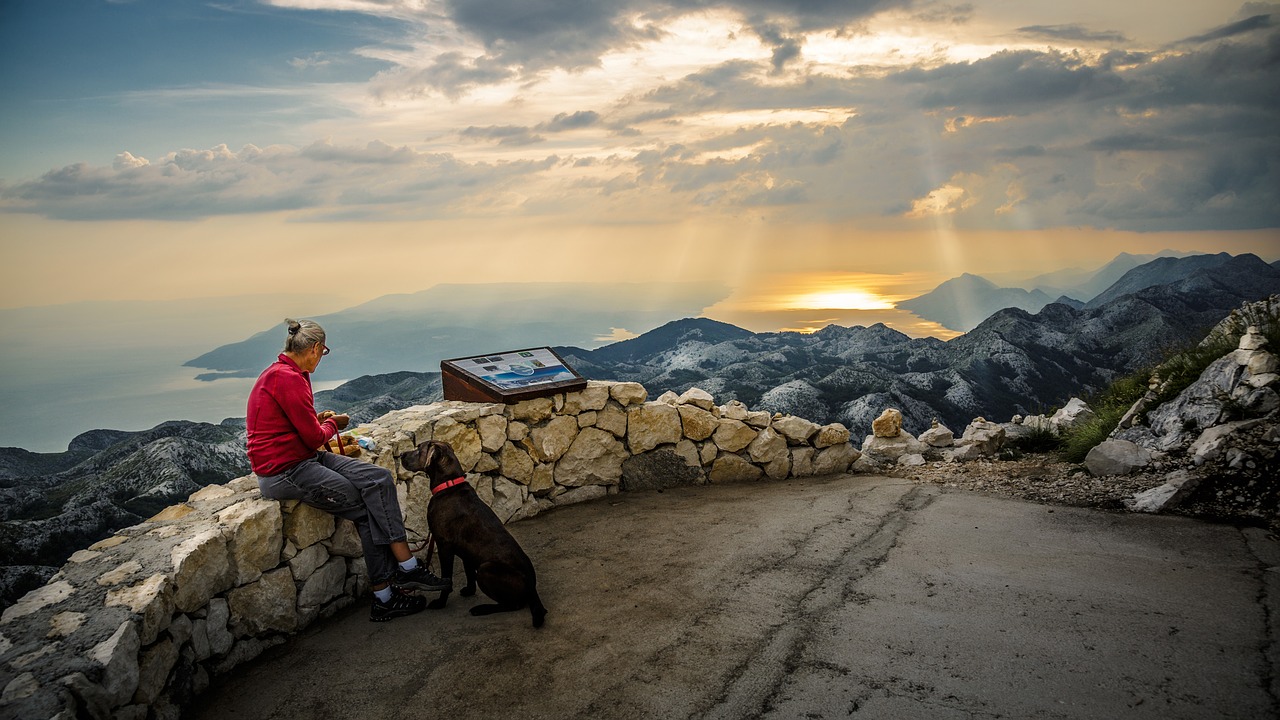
467 591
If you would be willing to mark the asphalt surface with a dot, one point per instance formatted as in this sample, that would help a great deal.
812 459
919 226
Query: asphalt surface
841 597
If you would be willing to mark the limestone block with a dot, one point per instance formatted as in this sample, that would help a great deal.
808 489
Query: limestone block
84 556
734 410
548 442
152 600
802 461
659 469
464 440
593 397
543 479
1177 486
587 418
1116 457
532 507
38 599
173 512
324 585
780 468
688 450
730 468
767 447
939 437
118 655
1212 442
963 453
487 464
1074 413
911 460
865 464
1252 339
796 430
759 419
1262 362
180 629
508 498
517 431
628 393
268 605
493 432
515 463
595 458
888 450
1262 380
888 425
708 453
697 397
308 561
153 670
581 494
697 423
212 492
828 435
255 538
483 485
989 437
652 424
216 618
305 526
668 398
200 639
60 626
247 483
201 569
614 419
836 459
531 411
345 540
120 573
733 435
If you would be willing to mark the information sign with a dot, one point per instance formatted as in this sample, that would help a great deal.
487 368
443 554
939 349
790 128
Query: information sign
510 376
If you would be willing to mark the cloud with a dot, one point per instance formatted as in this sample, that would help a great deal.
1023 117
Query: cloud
1073 33
1242 27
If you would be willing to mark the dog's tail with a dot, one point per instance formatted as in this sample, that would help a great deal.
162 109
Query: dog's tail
535 608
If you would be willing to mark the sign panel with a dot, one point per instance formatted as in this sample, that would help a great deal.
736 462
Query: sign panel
509 376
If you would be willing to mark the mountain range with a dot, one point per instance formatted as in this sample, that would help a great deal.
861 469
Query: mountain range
963 302
1013 362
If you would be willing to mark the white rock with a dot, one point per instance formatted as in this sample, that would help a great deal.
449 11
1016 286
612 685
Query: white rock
254 529
836 459
508 498
696 423
1074 413
1177 486
939 437
493 432
152 600
42 597
548 442
767 447
613 419
733 435
1116 457
888 450
733 468
304 525
698 397
202 569
118 654
833 434
988 437
796 430
652 424
628 393
515 464
593 397
595 458
324 585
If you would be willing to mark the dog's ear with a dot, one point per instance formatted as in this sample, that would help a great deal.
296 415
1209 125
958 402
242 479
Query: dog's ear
429 456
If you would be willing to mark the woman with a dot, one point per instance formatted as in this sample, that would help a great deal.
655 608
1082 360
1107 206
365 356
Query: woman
284 436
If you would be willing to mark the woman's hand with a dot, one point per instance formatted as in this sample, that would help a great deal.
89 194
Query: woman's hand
325 415
341 420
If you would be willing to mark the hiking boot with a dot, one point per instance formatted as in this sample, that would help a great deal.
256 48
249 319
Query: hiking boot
401 603
420 578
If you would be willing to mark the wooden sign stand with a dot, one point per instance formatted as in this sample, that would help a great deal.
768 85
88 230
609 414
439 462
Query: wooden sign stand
508 377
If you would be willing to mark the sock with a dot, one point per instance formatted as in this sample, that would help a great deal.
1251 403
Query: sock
384 594
409 564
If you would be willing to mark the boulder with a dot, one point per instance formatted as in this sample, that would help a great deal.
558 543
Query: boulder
1116 457
733 468
697 424
988 437
514 463
767 447
697 397
652 424
733 435
835 459
1074 413
270 604
660 469
796 430
595 458
1177 486
833 434
939 436
888 425
628 393
548 442
884 451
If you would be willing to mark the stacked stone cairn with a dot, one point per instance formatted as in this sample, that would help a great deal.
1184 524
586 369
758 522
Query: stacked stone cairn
133 627
889 445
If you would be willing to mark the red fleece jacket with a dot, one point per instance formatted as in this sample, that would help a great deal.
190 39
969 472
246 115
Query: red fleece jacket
282 424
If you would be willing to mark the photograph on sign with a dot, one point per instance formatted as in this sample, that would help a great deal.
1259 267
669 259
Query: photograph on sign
518 370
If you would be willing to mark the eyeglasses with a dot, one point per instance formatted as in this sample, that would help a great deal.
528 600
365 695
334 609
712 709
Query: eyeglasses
325 351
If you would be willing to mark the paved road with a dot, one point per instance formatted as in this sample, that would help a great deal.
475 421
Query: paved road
842 597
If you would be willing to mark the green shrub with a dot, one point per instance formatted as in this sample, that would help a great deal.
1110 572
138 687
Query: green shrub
1039 441
1108 406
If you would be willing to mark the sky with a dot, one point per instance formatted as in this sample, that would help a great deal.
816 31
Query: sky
176 175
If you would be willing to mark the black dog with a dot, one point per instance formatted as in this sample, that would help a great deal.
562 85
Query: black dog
464 526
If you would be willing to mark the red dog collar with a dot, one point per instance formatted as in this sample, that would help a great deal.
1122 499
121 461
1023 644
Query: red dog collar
447 484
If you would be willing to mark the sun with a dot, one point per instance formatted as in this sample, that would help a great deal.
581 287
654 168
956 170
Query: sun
841 300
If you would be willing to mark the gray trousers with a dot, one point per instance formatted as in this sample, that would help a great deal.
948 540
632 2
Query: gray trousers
358 491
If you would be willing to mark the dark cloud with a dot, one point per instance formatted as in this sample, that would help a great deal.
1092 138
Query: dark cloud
1020 81
1136 142
570 121
1073 33
1248 25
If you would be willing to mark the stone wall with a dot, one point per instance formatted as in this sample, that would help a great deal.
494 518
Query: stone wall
134 626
